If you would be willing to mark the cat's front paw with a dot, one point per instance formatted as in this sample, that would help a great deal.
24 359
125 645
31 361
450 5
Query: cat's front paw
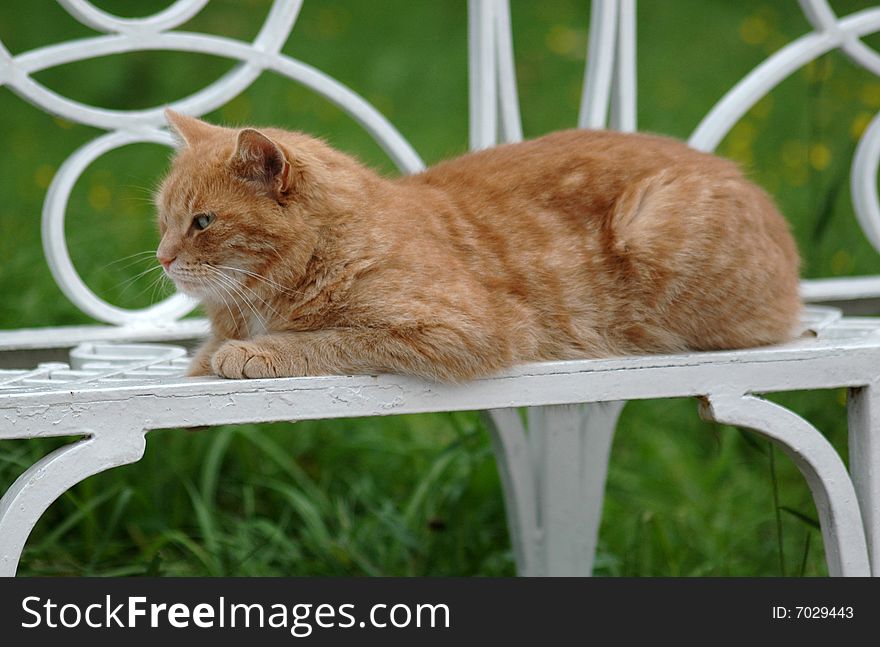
199 369
242 359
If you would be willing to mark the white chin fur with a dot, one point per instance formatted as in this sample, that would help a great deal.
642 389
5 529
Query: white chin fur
190 288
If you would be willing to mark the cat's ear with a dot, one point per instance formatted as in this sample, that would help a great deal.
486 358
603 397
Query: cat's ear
188 130
259 159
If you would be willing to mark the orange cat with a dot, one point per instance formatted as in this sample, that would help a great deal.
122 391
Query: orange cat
578 244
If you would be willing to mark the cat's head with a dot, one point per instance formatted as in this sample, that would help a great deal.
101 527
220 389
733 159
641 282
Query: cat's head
236 204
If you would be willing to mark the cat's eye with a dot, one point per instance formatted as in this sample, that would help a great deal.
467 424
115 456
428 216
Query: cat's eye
202 221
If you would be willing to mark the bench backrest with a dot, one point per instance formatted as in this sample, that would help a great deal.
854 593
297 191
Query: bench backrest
608 100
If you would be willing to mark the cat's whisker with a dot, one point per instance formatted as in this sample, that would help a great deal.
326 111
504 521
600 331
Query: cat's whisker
262 278
259 298
250 273
157 285
137 187
275 251
235 285
133 259
232 285
152 286
141 199
259 318
216 288
125 258
136 261
168 283
220 290
125 285
152 268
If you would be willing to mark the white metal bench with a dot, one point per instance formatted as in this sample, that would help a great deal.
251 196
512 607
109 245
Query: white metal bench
112 392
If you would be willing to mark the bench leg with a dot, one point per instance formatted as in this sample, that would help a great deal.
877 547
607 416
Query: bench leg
864 463
843 533
34 491
554 483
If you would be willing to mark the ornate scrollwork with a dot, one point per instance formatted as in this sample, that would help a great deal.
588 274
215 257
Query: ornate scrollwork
157 32
830 32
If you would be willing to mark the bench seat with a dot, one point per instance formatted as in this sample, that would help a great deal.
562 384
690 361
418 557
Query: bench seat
112 394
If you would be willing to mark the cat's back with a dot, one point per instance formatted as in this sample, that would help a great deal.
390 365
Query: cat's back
652 244
606 160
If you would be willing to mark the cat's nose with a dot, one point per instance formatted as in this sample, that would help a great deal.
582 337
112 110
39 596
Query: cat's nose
165 260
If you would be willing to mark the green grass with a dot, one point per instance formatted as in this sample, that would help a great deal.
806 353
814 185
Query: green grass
419 495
